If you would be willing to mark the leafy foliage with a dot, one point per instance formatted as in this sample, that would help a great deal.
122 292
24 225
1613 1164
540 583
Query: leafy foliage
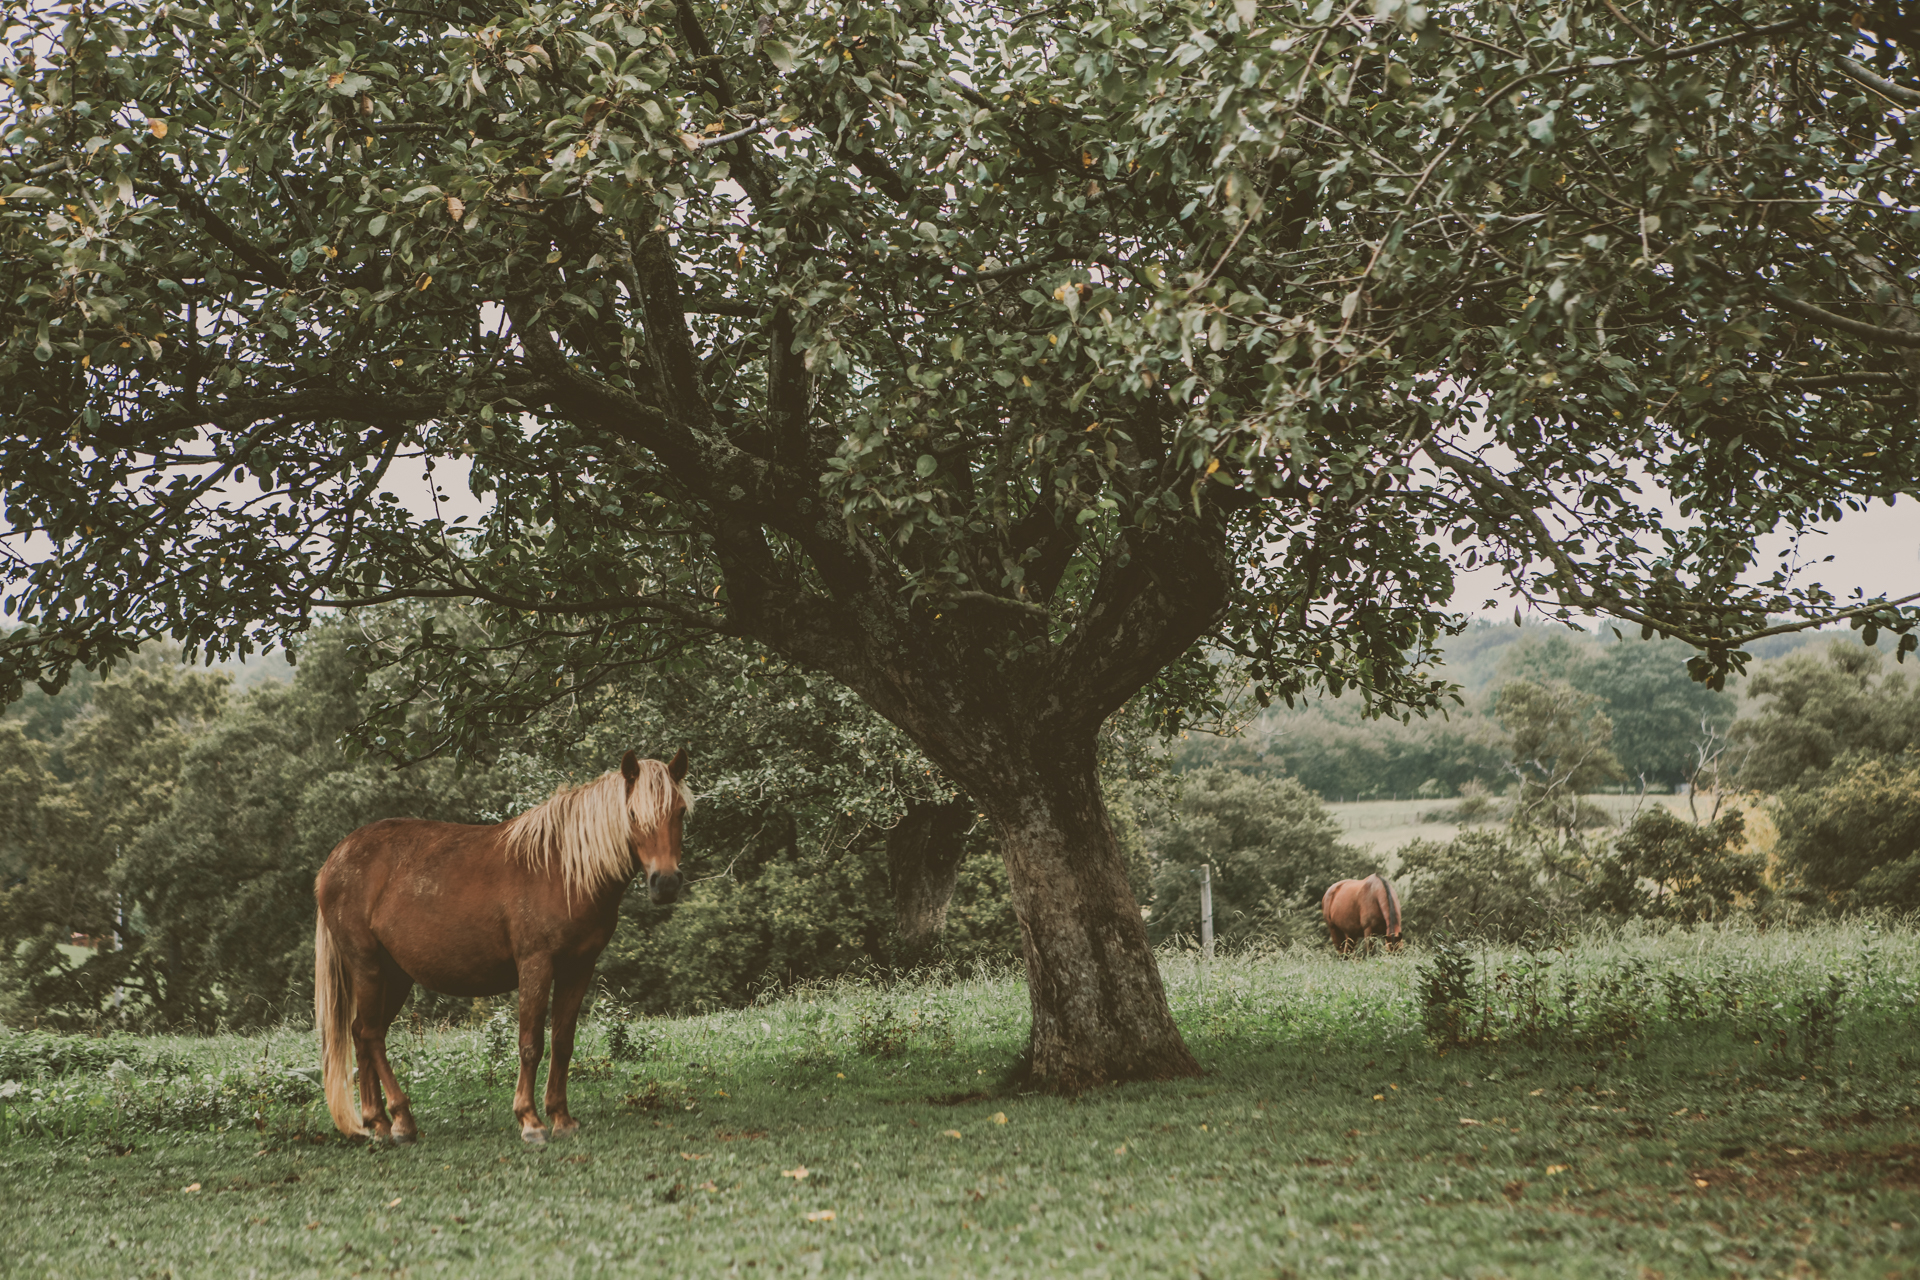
1243 245
1853 837
1662 866
1560 744
1665 723
1818 708
1483 884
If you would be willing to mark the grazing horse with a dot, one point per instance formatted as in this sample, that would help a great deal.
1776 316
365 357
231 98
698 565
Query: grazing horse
478 911
1361 909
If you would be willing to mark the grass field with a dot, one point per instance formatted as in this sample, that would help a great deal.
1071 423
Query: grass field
1713 1103
1382 826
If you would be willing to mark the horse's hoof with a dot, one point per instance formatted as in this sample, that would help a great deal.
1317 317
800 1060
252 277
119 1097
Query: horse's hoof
563 1128
405 1138
534 1137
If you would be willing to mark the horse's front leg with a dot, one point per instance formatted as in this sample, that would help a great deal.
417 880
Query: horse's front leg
569 990
536 978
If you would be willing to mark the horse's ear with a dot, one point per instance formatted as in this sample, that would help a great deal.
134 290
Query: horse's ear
677 767
630 768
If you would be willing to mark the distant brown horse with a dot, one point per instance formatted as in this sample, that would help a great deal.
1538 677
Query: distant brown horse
478 911
1361 909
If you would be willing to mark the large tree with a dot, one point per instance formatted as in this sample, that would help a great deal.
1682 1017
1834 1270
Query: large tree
996 362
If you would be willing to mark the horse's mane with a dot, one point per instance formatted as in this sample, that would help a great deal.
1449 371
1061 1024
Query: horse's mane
585 828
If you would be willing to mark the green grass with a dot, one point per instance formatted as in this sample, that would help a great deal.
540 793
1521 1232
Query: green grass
1713 1133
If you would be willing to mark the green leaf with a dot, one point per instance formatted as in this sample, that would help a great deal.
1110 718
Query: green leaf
925 465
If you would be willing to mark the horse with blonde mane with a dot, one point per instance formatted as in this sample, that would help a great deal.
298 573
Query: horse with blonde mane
1356 910
478 911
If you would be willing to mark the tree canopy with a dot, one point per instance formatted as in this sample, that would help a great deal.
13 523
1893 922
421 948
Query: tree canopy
984 359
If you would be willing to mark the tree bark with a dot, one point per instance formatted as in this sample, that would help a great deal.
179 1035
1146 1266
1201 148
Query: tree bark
924 853
1100 1012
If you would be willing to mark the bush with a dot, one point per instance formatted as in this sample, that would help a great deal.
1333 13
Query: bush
1853 838
1667 868
1482 884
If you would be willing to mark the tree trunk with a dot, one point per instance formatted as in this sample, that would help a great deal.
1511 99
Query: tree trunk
1100 1013
924 853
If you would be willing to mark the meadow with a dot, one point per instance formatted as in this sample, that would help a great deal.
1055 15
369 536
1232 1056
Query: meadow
1382 827
1714 1102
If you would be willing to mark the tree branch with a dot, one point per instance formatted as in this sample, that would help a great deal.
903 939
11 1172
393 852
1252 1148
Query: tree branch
1860 74
217 227
1858 328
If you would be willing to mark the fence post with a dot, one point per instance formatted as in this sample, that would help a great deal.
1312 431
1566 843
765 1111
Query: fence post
1206 912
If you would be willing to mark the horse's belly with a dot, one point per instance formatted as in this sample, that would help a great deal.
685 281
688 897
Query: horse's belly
455 947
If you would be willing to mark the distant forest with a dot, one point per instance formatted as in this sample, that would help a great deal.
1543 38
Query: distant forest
1663 723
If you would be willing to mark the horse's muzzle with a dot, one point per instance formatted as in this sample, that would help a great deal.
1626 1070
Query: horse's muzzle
663 887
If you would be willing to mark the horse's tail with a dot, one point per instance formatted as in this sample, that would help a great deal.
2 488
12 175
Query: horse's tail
333 1018
1392 904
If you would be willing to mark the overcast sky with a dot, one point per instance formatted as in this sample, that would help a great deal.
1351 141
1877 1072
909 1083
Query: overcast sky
1876 551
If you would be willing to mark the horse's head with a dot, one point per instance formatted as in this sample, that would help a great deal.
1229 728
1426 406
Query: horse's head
657 801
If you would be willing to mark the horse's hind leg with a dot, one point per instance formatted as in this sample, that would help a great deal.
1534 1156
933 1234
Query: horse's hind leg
369 1000
569 989
396 986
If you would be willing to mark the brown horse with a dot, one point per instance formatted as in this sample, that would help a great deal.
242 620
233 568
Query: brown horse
478 911
1361 909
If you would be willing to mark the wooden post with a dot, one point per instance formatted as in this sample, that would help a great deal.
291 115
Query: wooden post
1206 912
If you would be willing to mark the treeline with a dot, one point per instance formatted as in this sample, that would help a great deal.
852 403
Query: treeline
1665 726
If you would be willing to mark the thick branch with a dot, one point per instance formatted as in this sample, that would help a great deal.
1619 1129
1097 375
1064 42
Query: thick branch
190 203
1860 74
1858 328
374 407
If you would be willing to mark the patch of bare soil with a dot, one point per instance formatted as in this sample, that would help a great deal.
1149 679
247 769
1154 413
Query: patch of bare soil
1775 1171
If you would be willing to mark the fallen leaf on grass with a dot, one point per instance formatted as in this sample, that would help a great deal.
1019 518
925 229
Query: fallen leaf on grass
1556 1168
820 1215
1120 1150
999 1117
393 1202
694 1155
194 1187
1536 1093
950 1133
796 1174
708 1186
313 1226
1469 1124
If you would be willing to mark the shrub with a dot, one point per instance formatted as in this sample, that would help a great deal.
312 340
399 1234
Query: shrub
1853 838
1482 884
1665 867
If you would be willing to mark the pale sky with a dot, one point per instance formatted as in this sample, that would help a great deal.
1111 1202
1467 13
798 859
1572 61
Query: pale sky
1875 551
